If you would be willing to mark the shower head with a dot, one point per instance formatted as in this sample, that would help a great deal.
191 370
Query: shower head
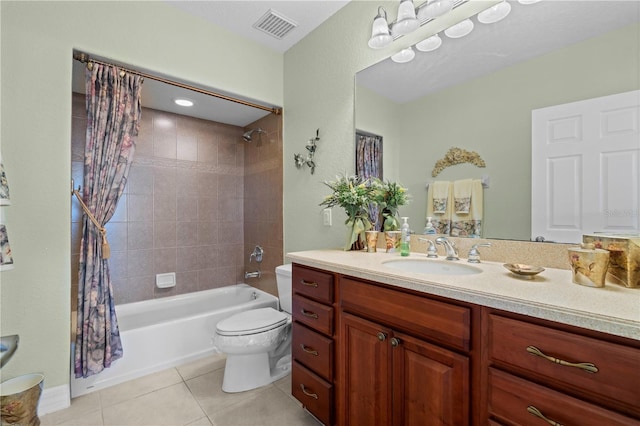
247 134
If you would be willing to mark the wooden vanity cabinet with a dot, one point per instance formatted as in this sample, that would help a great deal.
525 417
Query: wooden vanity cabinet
312 347
537 369
393 371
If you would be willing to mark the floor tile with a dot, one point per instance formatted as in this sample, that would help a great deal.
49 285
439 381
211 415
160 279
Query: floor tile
202 366
169 406
134 388
93 418
265 409
80 406
207 390
204 421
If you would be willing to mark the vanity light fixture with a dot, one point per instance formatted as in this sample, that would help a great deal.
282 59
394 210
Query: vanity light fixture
429 44
407 20
380 36
404 56
434 8
460 29
495 13
183 102
528 1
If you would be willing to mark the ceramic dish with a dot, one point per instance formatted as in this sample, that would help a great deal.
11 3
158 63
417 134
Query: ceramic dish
522 270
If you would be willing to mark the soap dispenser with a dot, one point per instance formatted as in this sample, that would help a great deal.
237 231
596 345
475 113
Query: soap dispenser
405 238
429 229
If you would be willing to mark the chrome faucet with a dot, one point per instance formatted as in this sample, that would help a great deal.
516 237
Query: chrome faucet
474 254
257 254
432 252
450 248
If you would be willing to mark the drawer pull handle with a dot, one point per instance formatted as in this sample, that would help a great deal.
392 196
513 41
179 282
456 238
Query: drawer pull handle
309 283
533 410
309 314
304 391
307 350
586 366
395 342
381 336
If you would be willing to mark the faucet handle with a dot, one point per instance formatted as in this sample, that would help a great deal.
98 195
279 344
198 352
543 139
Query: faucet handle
474 254
432 251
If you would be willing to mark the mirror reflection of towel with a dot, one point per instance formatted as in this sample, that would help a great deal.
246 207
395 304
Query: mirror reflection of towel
470 224
440 196
462 195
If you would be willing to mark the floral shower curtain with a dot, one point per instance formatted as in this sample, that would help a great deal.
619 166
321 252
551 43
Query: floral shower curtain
113 113
368 165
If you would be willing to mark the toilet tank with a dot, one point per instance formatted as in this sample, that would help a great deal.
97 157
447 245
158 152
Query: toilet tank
283 279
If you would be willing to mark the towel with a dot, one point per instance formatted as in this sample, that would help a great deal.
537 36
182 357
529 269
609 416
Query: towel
470 224
441 220
440 196
462 195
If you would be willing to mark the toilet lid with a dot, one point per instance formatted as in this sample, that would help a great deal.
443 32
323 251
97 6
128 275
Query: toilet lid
251 322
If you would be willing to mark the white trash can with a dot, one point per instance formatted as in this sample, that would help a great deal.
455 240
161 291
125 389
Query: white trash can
19 399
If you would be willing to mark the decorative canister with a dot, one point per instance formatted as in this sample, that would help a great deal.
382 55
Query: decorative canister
589 265
392 240
372 241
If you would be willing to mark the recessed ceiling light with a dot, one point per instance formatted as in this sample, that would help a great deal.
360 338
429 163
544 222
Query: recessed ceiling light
183 102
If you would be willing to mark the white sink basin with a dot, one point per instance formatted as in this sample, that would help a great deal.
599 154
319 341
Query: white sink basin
426 266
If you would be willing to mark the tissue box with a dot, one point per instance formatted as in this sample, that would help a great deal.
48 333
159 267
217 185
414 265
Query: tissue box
624 257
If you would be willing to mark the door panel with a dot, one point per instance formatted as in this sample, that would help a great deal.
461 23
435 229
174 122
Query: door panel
585 168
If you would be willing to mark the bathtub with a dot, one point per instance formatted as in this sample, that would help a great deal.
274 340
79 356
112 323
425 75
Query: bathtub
163 333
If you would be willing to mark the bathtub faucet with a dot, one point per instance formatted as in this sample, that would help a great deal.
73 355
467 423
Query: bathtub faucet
255 274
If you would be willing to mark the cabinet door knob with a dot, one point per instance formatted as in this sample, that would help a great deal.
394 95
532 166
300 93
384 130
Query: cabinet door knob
304 390
308 350
309 314
534 411
382 337
586 366
308 283
395 342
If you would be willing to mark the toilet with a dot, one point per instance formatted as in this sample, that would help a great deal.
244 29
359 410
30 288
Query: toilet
257 342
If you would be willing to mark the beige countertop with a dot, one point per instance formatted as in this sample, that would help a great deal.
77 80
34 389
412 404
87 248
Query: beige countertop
550 295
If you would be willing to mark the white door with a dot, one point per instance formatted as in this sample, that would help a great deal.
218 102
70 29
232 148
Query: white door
585 168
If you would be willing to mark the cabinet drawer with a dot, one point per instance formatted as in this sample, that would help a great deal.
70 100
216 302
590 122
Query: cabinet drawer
618 367
315 394
439 321
313 350
313 284
512 399
315 315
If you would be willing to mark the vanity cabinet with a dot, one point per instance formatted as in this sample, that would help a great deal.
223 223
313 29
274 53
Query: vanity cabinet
394 369
537 371
368 353
312 347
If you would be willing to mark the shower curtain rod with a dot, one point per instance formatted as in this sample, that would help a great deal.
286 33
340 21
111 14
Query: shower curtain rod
85 58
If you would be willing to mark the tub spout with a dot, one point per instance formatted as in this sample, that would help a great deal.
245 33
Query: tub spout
254 274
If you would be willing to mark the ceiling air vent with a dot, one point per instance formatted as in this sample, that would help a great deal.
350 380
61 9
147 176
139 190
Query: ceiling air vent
274 24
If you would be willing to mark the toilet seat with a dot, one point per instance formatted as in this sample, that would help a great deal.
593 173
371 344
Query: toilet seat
251 322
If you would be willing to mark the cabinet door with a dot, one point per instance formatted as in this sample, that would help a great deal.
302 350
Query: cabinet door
430 384
367 372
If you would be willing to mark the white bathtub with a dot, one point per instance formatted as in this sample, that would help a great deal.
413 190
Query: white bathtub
162 333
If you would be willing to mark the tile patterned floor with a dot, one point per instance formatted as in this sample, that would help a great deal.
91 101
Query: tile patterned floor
190 395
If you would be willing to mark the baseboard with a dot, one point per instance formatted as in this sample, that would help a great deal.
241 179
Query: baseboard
54 399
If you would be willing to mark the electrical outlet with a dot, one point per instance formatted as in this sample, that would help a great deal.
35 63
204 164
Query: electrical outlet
326 217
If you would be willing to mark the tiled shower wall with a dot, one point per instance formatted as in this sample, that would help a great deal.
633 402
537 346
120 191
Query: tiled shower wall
183 209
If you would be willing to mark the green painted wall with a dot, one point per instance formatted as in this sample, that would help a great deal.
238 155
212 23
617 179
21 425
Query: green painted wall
492 116
37 43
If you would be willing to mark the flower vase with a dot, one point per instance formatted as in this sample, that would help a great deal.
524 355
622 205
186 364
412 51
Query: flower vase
358 244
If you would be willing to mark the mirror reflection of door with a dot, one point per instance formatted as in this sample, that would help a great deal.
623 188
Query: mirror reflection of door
368 155
586 168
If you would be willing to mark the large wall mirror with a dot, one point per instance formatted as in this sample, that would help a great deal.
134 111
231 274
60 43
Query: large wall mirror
478 92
